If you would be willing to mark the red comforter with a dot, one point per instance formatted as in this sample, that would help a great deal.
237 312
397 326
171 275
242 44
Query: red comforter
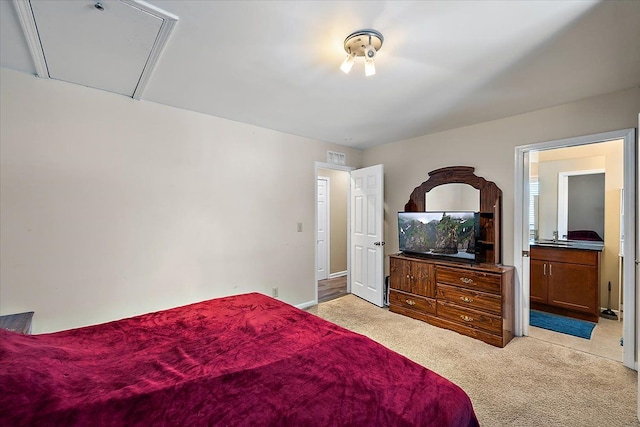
247 360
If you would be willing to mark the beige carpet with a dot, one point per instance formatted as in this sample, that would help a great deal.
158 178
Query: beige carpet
527 383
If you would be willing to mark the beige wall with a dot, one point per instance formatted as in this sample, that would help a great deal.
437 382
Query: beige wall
608 156
338 218
111 207
489 147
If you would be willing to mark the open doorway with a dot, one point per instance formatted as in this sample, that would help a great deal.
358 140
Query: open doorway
332 233
624 210
575 200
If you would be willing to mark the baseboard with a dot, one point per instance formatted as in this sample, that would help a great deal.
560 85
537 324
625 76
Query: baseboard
306 304
338 274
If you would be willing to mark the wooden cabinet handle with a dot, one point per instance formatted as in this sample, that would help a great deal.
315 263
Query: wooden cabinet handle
466 299
410 302
466 318
466 280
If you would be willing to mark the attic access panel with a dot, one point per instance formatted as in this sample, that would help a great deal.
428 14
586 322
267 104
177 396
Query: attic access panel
113 47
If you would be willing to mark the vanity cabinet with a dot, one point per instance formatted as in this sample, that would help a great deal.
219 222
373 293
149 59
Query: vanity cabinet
474 300
566 281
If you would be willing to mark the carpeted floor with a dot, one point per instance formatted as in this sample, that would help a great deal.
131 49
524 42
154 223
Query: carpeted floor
528 383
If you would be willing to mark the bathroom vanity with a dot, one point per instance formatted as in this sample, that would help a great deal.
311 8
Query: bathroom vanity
565 278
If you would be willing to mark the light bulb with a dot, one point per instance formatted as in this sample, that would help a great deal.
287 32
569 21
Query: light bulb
369 68
348 63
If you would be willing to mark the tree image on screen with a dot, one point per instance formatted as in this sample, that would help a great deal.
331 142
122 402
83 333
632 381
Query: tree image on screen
438 233
447 236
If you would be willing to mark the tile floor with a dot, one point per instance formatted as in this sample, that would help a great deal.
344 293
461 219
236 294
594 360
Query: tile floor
605 339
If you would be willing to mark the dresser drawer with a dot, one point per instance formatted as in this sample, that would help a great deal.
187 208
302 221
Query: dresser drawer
469 298
412 302
469 279
471 318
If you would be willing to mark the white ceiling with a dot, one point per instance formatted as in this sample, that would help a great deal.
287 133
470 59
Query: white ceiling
444 64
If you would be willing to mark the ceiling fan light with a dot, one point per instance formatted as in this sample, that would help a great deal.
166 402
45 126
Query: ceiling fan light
347 64
369 68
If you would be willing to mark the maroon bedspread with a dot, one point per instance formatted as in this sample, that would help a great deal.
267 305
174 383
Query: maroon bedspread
236 361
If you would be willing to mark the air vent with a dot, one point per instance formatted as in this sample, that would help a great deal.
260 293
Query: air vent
336 158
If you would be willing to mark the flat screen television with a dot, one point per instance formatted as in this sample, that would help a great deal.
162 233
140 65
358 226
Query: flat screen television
444 234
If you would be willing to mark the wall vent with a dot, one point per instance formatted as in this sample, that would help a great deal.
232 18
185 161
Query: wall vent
336 158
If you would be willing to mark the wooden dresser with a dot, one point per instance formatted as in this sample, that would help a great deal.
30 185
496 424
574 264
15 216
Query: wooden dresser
474 300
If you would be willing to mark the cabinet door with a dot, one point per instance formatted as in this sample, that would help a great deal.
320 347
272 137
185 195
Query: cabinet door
573 286
400 274
538 281
422 279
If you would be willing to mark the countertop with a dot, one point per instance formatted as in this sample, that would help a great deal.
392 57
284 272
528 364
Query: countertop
569 244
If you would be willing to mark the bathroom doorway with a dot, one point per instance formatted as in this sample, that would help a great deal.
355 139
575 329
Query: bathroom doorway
619 220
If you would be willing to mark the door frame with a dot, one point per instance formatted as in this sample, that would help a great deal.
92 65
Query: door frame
521 245
331 166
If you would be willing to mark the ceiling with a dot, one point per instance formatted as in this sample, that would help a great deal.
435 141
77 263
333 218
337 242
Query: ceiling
443 64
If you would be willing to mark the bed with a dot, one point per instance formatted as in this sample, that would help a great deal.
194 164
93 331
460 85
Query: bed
245 360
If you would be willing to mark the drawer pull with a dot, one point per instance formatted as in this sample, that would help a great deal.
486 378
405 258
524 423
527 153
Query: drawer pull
466 318
466 280
410 302
466 299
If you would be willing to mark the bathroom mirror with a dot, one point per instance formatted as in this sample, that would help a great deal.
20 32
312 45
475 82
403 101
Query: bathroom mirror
568 197
453 197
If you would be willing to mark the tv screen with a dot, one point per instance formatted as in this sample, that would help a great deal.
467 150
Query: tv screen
448 234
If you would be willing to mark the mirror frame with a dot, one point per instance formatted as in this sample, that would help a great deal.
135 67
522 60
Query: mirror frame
490 205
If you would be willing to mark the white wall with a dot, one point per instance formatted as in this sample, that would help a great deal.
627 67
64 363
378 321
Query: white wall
111 207
490 148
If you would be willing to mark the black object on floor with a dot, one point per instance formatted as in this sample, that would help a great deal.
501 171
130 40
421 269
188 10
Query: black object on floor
608 313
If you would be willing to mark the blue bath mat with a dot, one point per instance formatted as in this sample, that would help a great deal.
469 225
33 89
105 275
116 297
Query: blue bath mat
564 325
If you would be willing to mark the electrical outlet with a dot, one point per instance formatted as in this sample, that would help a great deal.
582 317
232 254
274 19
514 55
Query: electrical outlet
299 227
274 292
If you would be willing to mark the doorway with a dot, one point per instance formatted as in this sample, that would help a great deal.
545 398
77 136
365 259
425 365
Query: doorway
331 232
625 212
577 193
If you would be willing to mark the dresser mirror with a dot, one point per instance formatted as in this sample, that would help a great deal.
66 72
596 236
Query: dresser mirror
453 197
460 188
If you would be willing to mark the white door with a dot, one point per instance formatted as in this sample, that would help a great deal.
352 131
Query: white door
367 217
322 250
636 260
